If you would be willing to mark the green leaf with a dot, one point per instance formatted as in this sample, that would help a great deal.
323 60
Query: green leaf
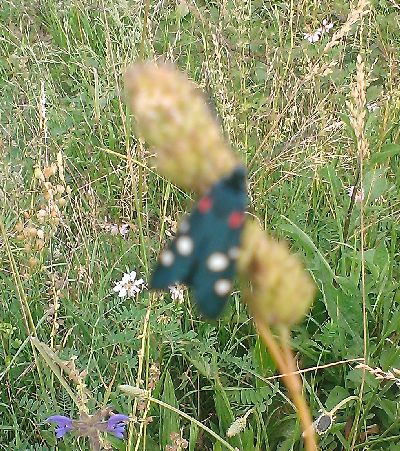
375 184
390 358
390 407
182 10
248 438
264 361
307 242
336 395
193 434
223 411
169 421
224 414
387 151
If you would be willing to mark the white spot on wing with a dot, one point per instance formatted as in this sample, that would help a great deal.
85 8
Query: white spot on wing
184 226
184 245
217 262
167 257
223 287
233 253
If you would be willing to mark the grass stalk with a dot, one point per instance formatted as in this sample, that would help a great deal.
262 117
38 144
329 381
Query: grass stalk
286 365
128 390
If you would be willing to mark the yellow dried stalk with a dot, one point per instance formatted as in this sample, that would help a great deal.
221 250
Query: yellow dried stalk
357 108
354 16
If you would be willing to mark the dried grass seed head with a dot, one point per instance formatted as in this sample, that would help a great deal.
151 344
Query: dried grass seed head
239 424
236 427
281 289
175 121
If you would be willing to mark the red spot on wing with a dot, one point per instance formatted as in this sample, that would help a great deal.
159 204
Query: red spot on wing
236 219
205 204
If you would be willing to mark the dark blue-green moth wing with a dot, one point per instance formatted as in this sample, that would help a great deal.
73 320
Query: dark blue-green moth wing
203 253
212 282
178 260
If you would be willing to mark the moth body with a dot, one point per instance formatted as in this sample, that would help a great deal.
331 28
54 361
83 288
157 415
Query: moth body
203 253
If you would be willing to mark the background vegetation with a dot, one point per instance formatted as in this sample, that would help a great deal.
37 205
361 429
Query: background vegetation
61 65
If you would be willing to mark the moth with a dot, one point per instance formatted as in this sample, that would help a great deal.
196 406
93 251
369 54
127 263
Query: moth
203 253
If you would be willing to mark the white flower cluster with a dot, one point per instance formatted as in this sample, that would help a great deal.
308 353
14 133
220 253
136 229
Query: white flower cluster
372 106
115 229
359 196
129 285
177 292
316 36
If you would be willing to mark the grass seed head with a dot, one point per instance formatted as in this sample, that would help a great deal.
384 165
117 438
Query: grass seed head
281 290
175 121
33 262
236 427
135 392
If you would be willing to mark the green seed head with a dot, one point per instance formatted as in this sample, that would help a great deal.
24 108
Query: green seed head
281 290
175 121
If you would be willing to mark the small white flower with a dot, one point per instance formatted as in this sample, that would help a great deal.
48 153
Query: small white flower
326 26
124 229
373 106
129 285
113 228
359 196
316 36
236 427
312 37
176 292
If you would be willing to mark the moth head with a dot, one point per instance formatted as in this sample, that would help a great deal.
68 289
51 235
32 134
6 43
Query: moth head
237 179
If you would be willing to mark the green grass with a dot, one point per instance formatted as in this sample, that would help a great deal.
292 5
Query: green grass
252 60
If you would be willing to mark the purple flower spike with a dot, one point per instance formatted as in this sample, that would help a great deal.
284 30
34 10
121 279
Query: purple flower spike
64 424
116 424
